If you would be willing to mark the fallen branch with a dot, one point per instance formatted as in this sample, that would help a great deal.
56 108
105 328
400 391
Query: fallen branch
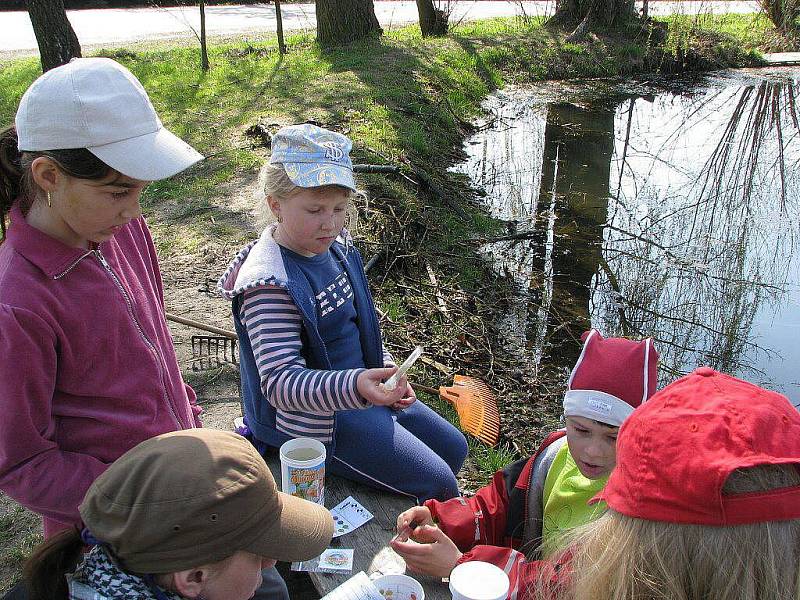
376 169
428 184
439 299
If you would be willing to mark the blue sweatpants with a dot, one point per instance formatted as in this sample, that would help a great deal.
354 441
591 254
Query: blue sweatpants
414 452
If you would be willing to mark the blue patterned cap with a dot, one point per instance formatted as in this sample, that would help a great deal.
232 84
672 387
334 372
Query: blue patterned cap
313 156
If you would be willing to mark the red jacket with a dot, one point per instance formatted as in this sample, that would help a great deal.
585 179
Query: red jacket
88 368
501 518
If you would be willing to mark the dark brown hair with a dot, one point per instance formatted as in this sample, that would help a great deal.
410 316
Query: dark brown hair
46 568
16 182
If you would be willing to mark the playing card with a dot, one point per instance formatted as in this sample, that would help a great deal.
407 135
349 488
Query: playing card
335 559
348 515
332 560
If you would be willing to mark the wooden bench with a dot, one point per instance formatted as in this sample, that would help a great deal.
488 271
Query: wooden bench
370 541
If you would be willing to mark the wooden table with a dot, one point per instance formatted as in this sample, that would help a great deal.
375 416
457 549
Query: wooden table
370 541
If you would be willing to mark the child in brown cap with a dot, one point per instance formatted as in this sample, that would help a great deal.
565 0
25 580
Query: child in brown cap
187 514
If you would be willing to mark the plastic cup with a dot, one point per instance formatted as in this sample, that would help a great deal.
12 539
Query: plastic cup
477 580
399 587
303 469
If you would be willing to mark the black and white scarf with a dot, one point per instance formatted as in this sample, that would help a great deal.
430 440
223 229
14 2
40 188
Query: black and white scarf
98 572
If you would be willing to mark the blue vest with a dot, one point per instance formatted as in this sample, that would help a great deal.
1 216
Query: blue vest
258 412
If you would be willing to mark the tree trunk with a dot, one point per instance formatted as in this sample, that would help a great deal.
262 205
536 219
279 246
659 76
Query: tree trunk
279 23
432 21
203 46
57 41
580 15
344 21
783 14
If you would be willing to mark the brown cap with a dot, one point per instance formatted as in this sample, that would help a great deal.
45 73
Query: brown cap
194 497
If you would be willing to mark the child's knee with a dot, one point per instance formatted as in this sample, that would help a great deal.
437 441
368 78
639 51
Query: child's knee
457 450
445 487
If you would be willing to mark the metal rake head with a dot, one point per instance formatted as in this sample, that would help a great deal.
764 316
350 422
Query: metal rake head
211 351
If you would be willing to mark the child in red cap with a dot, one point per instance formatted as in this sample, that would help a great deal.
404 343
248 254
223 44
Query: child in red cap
531 503
704 502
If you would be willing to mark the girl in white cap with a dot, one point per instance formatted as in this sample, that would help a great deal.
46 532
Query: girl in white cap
89 368
81 303
312 357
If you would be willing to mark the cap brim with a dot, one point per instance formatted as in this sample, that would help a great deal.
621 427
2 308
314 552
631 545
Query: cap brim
303 530
315 174
148 157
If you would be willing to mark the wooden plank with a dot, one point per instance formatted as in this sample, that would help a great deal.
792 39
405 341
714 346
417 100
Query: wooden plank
370 541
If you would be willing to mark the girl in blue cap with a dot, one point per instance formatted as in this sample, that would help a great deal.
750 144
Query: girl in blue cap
312 360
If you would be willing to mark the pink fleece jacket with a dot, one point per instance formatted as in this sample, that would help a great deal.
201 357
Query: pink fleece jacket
88 369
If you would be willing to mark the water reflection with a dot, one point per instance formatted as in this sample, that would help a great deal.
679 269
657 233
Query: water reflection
646 210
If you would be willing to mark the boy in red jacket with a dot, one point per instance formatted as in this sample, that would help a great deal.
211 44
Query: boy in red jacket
529 506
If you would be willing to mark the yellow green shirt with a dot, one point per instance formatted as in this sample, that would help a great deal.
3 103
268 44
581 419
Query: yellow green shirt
564 501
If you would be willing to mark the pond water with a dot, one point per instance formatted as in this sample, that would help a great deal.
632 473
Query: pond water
655 208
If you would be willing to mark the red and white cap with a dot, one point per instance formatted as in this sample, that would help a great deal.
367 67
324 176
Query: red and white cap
611 378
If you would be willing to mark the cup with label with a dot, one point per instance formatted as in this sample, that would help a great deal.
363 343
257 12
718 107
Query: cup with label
476 580
303 469
399 587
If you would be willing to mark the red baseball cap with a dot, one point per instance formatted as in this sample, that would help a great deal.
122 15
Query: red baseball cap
675 452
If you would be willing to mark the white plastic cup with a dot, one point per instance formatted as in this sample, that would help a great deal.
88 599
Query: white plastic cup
303 469
399 587
476 580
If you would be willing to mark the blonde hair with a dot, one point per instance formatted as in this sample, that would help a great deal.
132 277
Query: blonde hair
274 181
624 558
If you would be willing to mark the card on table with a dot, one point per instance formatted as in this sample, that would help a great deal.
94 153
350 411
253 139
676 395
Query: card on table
348 515
336 559
332 560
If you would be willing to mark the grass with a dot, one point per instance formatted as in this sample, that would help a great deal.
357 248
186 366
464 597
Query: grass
732 40
19 535
403 100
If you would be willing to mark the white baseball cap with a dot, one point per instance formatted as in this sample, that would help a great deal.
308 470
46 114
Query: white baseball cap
97 104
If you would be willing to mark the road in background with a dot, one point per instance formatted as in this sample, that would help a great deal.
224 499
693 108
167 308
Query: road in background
120 26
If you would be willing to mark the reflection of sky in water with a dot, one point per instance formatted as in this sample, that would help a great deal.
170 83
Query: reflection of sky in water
701 237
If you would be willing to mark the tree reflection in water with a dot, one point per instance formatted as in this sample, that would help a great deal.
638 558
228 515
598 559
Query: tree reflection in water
672 215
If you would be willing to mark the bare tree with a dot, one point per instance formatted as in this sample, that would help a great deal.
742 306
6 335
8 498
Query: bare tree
432 20
343 21
57 41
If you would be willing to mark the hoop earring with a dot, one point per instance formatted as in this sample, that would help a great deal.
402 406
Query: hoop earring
280 219
49 202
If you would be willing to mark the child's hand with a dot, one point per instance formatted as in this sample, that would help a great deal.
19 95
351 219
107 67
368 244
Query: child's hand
409 520
407 400
370 385
436 554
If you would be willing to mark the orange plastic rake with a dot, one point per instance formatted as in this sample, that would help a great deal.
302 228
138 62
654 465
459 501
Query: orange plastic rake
475 404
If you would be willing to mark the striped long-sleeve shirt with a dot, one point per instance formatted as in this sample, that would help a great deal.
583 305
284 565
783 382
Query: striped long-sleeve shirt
305 399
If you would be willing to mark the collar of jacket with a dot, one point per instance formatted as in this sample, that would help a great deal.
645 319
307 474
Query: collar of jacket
50 255
261 263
